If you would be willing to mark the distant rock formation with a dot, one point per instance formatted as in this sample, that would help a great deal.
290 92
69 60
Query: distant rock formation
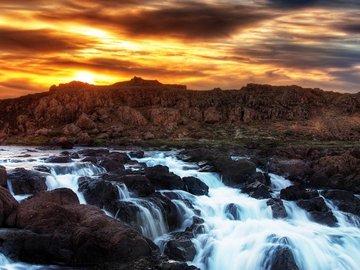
147 109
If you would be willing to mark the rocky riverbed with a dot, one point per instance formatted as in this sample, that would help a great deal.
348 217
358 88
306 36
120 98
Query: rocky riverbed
108 208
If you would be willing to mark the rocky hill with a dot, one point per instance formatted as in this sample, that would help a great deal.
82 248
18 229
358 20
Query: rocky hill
141 109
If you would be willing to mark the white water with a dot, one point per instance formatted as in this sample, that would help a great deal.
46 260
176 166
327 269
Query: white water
226 244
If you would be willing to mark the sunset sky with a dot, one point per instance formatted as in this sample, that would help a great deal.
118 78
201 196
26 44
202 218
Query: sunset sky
203 44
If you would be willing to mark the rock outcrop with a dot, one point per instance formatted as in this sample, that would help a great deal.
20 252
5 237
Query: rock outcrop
141 109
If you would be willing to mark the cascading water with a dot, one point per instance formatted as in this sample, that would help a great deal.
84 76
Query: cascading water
247 238
255 240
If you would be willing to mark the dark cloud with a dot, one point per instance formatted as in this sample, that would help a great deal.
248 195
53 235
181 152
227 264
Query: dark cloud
38 41
353 28
120 67
302 56
309 3
18 87
192 20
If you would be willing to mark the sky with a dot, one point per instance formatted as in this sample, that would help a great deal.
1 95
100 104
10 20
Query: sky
203 44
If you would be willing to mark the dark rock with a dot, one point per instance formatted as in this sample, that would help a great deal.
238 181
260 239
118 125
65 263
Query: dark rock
283 259
74 155
235 173
139 184
98 192
137 154
3 177
257 190
161 178
119 156
60 159
93 237
197 226
180 247
111 165
233 211
297 192
292 169
169 209
94 152
195 186
277 207
344 200
318 210
26 181
8 204
42 168
90 159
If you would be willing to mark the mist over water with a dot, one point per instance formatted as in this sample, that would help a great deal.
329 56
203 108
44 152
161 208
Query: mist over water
247 238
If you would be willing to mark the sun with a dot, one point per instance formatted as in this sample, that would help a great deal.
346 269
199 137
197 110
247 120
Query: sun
85 77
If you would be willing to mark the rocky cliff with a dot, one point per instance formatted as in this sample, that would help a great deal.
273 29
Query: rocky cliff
142 109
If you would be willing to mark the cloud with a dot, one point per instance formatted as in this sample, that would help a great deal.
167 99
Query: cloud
190 20
117 66
302 56
38 41
308 3
18 87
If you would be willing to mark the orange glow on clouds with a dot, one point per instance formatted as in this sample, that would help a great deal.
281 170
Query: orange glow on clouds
202 44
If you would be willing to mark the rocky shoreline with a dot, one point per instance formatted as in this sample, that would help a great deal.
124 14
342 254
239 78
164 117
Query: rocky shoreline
53 228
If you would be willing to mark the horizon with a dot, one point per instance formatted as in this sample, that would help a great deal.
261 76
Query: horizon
201 44
166 83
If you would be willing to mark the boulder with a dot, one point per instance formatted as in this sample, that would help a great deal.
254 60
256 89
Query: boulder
27 182
111 165
235 173
277 208
94 152
292 169
257 190
92 237
136 154
344 200
83 139
180 247
233 211
71 130
318 210
161 178
3 177
297 192
195 186
283 259
58 159
98 192
197 226
138 184
8 204
84 122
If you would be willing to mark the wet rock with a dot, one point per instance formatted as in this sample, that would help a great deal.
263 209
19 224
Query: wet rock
235 173
42 168
344 200
180 247
297 192
233 211
161 178
93 237
283 259
98 192
111 165
3 177
169 209
27 182
139 184
277 207
27 246
137 154
58 159
195 186
197 226
292 169
318 210
8 204
257 190
94 152
119 156
74 155
127 212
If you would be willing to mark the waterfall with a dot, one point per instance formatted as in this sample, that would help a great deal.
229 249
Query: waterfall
239 231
